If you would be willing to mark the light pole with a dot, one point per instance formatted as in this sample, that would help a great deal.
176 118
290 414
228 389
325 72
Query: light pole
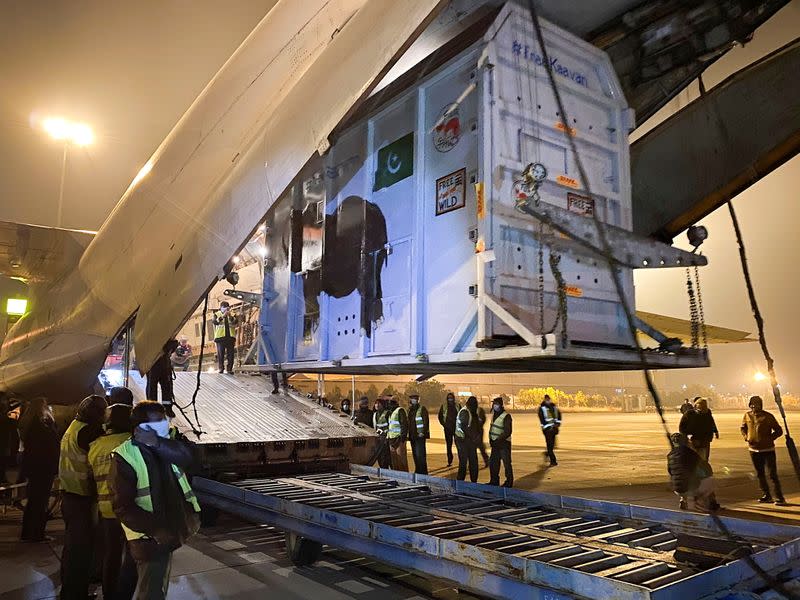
68 132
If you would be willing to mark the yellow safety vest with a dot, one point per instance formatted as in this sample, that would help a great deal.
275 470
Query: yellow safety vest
100 462
132 455
459 431
419 421
219 330
394 423
446 409
73 463
380 422
497 429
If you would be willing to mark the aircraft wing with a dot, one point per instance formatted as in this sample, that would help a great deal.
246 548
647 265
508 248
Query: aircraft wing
682 328
38 254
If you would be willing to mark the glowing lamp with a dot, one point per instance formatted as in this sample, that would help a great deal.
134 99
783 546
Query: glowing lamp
16 306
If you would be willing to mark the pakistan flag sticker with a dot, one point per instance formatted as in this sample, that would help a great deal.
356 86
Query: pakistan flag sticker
395 162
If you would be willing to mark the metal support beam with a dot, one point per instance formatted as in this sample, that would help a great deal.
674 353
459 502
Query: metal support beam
718 146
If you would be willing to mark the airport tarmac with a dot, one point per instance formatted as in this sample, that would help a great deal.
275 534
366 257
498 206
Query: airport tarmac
611 456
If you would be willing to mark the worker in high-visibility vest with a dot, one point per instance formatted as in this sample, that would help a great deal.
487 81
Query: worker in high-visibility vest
550 418
152 498
397 436
447 419
418 433
225 322
380 422
116 584
78 498
500 443
467 440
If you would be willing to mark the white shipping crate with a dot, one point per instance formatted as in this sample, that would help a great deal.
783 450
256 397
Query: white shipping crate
402 248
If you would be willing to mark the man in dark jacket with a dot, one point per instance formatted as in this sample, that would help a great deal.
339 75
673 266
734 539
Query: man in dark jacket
161 374
152 498
760 429
380 422
40 462
690 475
468 438
500 442
419 432
550 418
364 413
78 497
447 419
701 428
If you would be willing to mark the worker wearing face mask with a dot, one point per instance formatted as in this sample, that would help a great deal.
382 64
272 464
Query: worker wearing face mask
500 442
152 498
418 433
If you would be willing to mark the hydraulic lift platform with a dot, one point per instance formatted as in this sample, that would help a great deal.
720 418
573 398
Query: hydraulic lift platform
507 543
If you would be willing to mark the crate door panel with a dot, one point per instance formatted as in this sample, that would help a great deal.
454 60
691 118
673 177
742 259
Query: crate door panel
391 333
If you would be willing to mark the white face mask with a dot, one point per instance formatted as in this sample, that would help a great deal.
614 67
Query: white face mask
496 408
161 428
414 401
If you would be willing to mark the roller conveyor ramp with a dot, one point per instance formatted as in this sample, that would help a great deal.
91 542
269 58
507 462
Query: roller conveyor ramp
506 543
247 430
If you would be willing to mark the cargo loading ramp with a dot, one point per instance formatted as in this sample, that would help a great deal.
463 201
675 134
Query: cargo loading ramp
247 429
508 543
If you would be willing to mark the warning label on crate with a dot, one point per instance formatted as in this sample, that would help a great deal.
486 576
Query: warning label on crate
574 291
568 181
480 202
450 192
582 205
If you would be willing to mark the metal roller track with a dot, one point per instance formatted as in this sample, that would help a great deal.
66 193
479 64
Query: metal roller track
587 553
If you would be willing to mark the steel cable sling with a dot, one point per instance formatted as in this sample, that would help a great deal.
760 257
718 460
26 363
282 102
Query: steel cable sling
193 403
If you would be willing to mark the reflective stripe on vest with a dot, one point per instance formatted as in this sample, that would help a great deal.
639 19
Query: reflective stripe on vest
549 417
394 423
419 422
132 455
497 428
73 463
459 431
100 462
379 421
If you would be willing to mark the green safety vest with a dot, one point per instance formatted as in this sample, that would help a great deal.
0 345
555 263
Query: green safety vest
394 423
73 463
497 429
459 431
132 455
100 462
219 330
380 422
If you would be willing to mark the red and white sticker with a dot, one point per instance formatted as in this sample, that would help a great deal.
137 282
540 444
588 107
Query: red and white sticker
447 130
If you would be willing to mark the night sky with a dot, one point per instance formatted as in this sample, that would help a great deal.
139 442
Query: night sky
130 70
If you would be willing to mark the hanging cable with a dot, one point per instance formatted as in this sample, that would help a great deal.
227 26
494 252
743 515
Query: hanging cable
762 339
612 265
601 231
193 403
